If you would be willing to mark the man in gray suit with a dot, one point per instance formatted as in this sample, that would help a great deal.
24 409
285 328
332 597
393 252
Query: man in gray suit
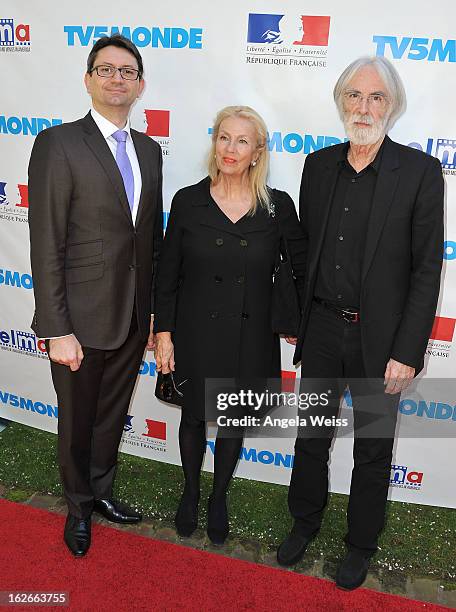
95 215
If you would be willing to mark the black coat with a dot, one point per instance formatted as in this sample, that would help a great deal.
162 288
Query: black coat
214 288
403 253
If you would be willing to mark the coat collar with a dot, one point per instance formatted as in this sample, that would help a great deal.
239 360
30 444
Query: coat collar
212 216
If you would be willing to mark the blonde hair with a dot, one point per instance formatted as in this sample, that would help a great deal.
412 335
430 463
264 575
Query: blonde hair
258 173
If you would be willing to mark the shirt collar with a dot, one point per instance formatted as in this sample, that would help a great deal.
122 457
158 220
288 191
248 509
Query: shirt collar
375 164
105 126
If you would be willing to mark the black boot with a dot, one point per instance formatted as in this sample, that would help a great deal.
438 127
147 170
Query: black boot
217 520
186 519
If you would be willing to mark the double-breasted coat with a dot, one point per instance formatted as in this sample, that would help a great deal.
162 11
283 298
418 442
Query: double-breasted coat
214 287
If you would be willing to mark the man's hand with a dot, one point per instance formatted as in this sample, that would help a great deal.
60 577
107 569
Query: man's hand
151 339
291 340
66 351
164 352
398 376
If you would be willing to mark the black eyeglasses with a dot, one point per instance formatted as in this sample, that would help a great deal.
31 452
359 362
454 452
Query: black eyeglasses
106 71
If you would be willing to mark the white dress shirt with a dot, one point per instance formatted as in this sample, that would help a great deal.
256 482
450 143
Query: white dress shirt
107 129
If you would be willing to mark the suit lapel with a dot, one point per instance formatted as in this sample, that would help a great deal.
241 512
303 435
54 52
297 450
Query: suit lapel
98 145
328 186
142 155
385 188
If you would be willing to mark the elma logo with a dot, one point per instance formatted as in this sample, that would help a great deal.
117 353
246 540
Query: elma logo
25 125
416 48
19 341
308 30
15 279
442 148
14 37
449 249
403 478
25 403
142 36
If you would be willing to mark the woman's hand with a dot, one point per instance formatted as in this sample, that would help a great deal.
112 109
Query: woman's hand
164 352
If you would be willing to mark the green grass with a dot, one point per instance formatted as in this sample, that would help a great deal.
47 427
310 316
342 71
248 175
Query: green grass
418 540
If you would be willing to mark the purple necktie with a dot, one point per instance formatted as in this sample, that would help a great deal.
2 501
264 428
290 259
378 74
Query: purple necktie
124 165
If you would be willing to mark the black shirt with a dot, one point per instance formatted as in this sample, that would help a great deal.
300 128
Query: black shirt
341 259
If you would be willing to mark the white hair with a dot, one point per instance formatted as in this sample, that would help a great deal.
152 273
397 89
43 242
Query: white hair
388 73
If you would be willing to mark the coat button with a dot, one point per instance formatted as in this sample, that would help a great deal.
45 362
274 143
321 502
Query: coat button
244 315
131 267
240 279
214 315
243 243
219 241
218 279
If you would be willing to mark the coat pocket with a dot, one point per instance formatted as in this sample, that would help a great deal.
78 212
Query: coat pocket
82 274
79 250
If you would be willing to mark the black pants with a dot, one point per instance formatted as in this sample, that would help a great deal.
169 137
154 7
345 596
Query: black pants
331 356
93 403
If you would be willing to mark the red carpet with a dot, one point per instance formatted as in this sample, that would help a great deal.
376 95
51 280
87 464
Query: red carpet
124 573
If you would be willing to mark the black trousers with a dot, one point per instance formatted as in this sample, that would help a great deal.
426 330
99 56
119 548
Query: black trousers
93 403
331 358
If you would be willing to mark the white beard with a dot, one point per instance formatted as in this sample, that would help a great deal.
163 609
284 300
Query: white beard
364 135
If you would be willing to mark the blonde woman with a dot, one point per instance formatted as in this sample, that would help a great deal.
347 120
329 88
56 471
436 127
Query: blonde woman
213 296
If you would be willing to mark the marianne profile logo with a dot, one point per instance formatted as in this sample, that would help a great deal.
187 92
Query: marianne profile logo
13 202
14 36
288 39
158 127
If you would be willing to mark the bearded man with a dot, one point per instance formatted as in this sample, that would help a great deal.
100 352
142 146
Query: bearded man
372 213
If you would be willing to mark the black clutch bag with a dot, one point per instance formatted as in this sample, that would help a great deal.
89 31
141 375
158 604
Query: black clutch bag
285 309
168 390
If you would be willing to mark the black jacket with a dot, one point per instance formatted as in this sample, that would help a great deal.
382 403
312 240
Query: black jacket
403 253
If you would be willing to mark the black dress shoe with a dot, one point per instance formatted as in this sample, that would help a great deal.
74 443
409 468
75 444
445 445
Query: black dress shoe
116 512
77 535
353 570
293 547
218 526
186 519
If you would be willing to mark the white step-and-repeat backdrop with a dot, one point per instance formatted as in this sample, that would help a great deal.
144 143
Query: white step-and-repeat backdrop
282 58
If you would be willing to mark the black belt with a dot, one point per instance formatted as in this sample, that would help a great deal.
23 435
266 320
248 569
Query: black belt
348 314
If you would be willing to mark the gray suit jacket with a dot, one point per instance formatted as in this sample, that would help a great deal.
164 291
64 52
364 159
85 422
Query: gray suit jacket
89 261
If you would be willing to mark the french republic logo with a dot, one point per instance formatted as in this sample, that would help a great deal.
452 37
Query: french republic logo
157 126
288 40
288 381
441 339
14 36
14 206
403 478
150 436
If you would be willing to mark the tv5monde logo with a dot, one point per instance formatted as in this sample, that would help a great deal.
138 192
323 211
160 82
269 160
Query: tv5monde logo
14 36
430 49
288 39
